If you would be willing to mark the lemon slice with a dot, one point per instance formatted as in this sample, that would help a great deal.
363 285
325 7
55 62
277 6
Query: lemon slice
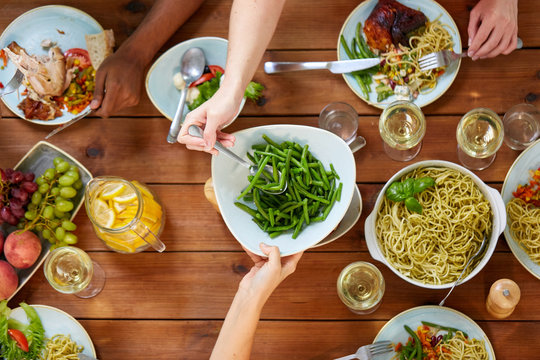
112 190
103 215
125 198
119 207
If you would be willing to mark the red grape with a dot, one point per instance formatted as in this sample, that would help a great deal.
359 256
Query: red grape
17 177
29 186
29 177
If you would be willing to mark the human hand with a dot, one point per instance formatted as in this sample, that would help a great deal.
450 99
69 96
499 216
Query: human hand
267 273
211 116
118 84
493 27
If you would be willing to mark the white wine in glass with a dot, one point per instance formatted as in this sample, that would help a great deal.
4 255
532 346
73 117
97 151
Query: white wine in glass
479 135
70 270
361 287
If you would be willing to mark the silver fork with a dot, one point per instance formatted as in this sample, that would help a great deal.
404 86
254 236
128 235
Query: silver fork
13 84
446 57
367 352
439 59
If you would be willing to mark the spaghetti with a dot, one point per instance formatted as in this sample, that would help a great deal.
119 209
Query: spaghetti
524 223
402 66
433 248
61 347
459 348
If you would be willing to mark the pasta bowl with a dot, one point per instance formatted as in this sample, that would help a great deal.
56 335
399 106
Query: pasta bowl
230 179
498 223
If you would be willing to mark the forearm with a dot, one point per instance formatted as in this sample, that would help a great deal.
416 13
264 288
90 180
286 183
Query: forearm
163 20
251 26
236 336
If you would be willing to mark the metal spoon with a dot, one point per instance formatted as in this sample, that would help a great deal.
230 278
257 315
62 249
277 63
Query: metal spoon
196 131
480 251
191 68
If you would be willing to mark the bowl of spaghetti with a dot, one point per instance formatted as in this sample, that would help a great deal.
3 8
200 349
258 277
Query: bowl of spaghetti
430 249
435 31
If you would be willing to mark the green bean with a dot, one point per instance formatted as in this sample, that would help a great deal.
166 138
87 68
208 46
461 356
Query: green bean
446 328
297 228
266 153
359 40
247 209
346 47
270 141
340 188
255 177
416 342
334 171
256 200
314 197
275 234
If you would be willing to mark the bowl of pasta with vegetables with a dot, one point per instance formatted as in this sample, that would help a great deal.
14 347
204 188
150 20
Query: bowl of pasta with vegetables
301 187
400 33
428 221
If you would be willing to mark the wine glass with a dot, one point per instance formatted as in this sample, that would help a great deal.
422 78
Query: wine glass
361 287
521 126
479 135
70 270
402 126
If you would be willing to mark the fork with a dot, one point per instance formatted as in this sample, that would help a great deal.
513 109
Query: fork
367 352
439 59
446 57
13 84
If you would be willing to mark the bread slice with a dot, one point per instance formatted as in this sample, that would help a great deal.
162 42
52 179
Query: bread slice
99 46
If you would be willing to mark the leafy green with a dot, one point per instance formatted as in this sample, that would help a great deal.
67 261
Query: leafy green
34 333
254 91
405 190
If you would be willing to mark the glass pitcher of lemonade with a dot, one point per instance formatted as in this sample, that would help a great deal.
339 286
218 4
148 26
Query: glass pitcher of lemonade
126 215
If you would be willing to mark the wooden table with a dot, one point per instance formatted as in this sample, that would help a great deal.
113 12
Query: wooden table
171 305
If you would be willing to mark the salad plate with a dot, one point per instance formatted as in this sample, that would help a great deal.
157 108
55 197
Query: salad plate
37 160
159 80
394 331
432 10
64 25
529 159
56 321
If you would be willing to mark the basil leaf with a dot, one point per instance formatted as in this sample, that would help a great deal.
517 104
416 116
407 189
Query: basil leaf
422 184
395 192
413 205
408 187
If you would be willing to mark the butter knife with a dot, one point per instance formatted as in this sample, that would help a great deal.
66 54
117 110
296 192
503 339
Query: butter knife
70 122
337 67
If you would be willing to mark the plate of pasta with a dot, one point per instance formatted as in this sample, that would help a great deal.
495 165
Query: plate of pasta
521 195
63 334
400 33
440 330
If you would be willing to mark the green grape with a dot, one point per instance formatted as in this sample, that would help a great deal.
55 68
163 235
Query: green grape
66 180
48 212
60 233
68 225
59 198
78 184
54 224
74 168
70 238
36 198
64 205
46 233
30 215
32 206
62 167
39 227
43 188
52 240
68 192
57 160
55 191
73 174
49 174
41 180
58 213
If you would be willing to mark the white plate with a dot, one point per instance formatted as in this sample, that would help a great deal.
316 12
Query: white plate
56 321
351 217
529 159
230 178
432 10
159 80
37 160
29 29
393 330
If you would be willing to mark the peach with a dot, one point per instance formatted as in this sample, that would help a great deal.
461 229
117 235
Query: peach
22 248
8 280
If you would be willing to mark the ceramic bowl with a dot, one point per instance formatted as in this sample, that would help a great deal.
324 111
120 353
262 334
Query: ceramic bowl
230 178
159 80
492 195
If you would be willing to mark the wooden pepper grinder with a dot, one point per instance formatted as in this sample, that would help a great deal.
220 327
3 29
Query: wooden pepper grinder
502 299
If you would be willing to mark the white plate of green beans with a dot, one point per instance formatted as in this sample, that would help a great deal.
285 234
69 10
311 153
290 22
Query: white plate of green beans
321 176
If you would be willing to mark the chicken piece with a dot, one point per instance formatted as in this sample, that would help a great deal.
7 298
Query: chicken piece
389 23
47 75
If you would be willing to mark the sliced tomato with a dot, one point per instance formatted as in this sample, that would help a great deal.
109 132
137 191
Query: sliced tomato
19 338
1 85
203 78
81 55
215 68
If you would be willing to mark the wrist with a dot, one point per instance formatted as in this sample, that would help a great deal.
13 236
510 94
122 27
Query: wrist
252 298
